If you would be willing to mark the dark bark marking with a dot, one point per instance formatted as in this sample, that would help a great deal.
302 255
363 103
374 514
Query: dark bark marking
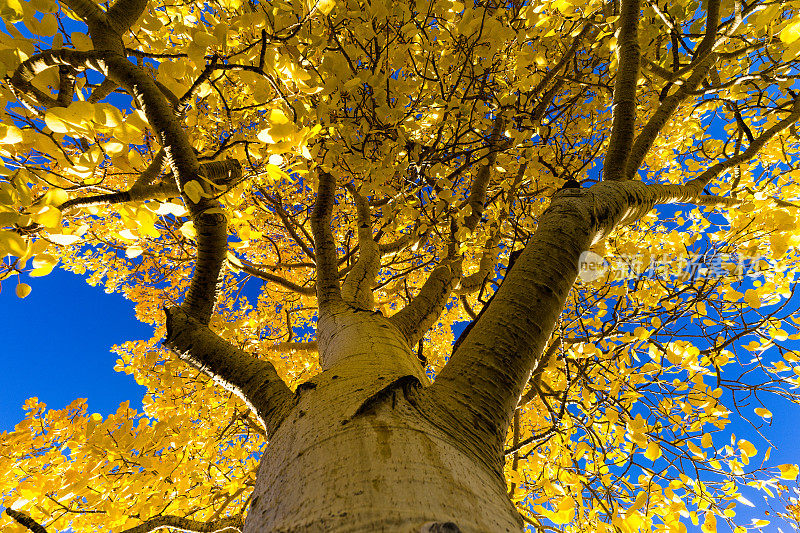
407 383
439 527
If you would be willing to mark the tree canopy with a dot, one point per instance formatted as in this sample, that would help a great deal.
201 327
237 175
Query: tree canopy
194 151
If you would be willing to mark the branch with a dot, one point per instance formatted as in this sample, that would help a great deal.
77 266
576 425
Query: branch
29 95
478 389
209 221
536 377
697 185
25 521
253 270
475 281
124 13
357 286
328 292
222 173
646 138
477 194
160 191
252 379
421 313
106 87
491 254
311 346
482 382
624 104
576 42
423 310
233 523
288 223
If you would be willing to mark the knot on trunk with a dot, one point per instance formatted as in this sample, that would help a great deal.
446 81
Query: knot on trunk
439 527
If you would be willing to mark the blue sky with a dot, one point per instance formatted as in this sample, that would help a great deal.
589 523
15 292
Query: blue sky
57 346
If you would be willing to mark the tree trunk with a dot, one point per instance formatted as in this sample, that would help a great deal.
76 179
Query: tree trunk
362 450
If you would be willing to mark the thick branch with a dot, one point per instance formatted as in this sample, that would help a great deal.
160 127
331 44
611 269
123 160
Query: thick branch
696 185
624 104
646 138
475 281
252 379
420 314
253 270
223 525
25 521
479 387
482 382
160 191
490 255
424 309
124 13
477 194
222 173
210 225
357 286
328 292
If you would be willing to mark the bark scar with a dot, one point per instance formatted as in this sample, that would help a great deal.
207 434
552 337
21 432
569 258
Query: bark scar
407 383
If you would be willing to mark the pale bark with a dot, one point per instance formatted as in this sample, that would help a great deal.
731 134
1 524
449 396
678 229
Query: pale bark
357 286
421 313
363 451
329 294
644 141
254 380
624 104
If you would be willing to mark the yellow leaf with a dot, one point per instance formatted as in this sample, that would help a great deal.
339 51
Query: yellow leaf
23 290
64 239
48 216
11 10
752 299
55 197
747 448
188 231
789 471
709 523
763 413
133 251
193 190
204 40
653 451
168 208
43 264
325 6
791 32
12 243
280 127
10 134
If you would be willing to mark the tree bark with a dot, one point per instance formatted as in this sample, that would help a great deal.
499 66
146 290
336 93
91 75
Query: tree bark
362 451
